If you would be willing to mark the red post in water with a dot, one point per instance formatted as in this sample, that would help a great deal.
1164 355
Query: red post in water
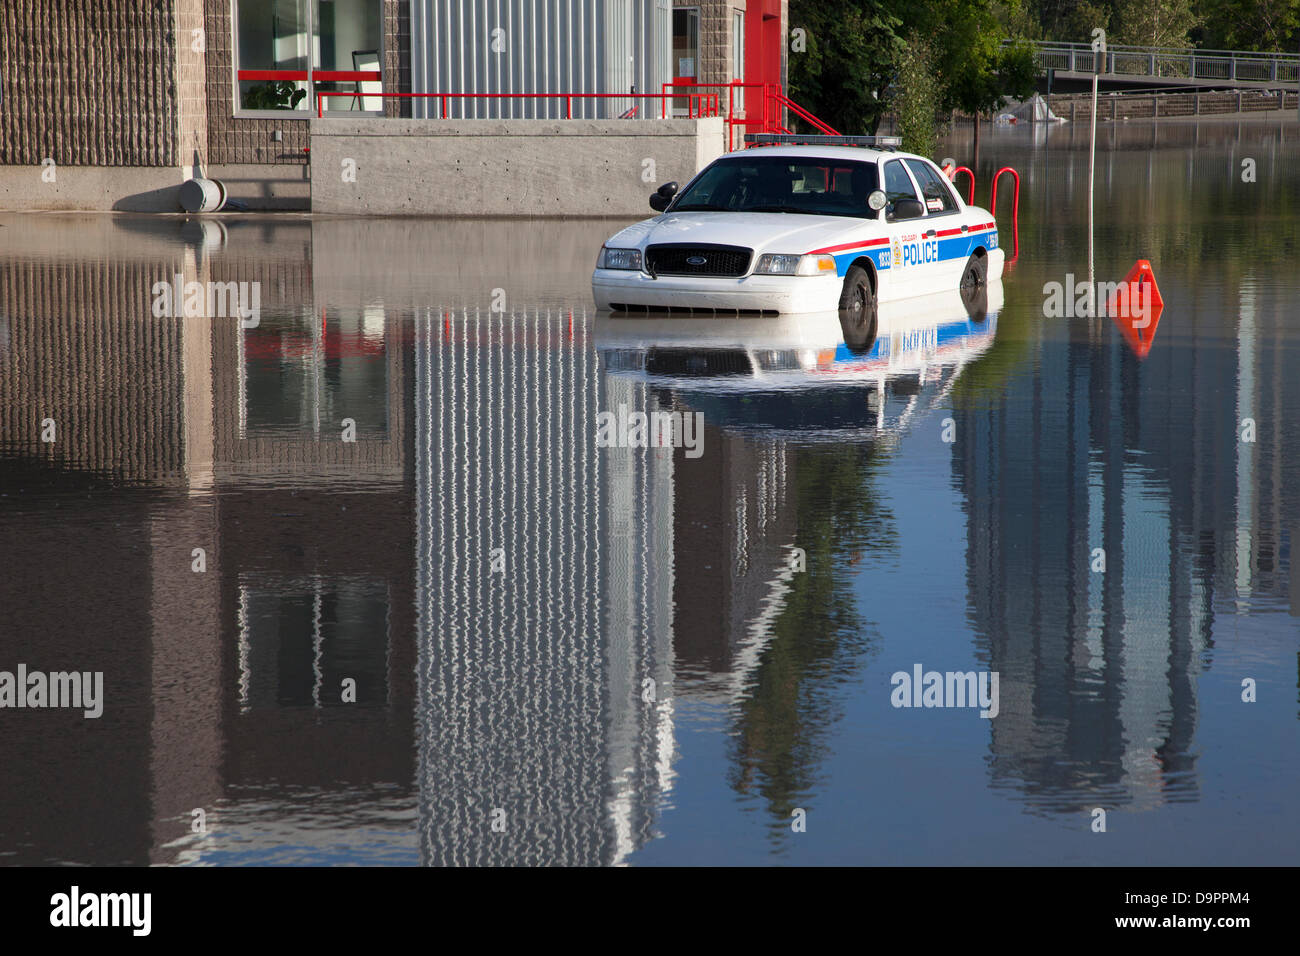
970 192
1015 207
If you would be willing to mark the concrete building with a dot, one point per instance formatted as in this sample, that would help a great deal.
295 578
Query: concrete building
113 105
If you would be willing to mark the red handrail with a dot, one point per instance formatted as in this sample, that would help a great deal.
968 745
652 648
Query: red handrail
803 114
773 99
1015 208
349 76
699 105
970 192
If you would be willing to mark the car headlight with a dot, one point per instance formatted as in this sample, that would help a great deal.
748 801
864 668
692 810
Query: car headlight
619 259
785 264
777 265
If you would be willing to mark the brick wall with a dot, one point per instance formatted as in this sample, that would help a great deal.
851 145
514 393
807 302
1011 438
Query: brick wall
88 83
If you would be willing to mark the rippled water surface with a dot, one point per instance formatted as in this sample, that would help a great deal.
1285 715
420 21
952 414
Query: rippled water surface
471 635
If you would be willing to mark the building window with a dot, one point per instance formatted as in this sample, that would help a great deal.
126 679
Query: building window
277 69
686 53
738 54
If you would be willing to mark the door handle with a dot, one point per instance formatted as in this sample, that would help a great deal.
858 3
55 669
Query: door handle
930 234
965 228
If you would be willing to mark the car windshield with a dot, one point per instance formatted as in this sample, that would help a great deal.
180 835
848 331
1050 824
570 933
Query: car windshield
757 183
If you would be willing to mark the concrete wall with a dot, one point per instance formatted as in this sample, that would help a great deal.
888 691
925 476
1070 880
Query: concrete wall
146 188
91 188
539 168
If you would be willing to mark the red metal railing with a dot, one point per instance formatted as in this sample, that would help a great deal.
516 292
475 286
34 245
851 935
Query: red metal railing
325 76
699 105
970 190
767 118
1015 208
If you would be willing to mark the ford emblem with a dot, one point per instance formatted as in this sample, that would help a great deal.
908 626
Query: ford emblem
696 260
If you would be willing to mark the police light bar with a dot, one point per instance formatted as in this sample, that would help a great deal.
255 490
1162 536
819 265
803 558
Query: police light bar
796 139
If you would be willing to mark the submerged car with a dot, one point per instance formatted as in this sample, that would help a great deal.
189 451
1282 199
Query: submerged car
801 228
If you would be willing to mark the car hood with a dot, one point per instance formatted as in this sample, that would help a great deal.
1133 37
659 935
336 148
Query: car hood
761 231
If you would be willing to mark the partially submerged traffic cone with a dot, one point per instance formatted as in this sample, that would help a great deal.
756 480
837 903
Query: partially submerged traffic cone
1135 306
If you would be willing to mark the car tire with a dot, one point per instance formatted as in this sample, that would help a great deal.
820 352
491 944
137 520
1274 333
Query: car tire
974 287
858 313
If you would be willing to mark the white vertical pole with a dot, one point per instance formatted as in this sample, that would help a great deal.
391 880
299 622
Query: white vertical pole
1092 164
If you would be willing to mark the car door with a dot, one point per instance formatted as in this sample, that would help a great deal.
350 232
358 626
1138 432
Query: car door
914 266
945 223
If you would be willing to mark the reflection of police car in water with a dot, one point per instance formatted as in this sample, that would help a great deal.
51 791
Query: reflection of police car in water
784 228
796 374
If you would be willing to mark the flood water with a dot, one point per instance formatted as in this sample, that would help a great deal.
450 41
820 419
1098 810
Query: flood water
365 588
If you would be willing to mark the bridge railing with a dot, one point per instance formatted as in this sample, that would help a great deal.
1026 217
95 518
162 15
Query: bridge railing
1173 62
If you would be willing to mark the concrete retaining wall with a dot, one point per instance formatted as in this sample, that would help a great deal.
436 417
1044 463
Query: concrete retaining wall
537 168
98 188
145 188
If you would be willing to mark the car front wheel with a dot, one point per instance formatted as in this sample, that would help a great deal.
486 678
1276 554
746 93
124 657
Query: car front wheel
858 310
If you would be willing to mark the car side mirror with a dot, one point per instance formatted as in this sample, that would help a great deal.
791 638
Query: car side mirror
908 209
658 202
667 190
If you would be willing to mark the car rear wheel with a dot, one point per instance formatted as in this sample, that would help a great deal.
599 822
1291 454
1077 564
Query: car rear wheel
858 310
974 287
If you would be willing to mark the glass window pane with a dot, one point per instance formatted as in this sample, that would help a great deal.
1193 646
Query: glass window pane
897 184
686 54
936 191
271 39
774 183
348 37
738 54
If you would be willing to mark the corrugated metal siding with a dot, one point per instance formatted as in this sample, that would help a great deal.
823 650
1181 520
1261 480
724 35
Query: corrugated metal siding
88 82
551 46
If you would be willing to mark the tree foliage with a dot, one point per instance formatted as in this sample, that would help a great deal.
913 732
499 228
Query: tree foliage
1255 25
851 50
1153 22
854 54
916 97
848 71
1262 25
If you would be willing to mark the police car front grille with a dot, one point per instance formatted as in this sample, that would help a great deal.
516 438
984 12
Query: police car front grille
674 259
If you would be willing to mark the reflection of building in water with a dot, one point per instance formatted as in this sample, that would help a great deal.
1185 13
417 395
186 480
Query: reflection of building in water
1089 449
163 428
544 566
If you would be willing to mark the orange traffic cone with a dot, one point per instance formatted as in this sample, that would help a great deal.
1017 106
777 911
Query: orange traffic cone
1135 294
1135 307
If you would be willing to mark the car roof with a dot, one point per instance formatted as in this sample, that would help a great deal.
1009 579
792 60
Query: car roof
858 153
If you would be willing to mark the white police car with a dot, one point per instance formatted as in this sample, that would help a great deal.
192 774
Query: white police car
832 224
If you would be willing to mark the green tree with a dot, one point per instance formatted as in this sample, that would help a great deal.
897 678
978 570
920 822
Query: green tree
848 61
1072 21
916 97
1154 22
853 54
977 71
1262 25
